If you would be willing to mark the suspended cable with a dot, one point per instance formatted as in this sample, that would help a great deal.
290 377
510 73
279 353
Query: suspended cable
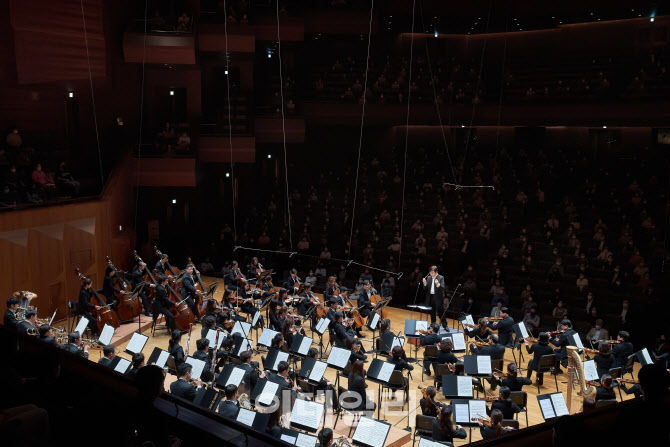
230 128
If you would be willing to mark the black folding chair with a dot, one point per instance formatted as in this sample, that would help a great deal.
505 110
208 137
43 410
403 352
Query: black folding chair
429 356
628 369
423 427
547 364
521 399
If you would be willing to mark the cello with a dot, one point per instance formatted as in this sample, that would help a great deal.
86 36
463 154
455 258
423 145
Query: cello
105 314
375 298
128 305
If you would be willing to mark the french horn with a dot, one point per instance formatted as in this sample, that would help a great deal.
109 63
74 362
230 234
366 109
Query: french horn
244 402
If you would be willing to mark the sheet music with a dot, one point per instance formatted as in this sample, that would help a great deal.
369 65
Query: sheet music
211 336
397 341
122 366
306 413
371 432
257 316
266 337
469 320
162 359
646 356
385 371
244 346
477 409
483 364
81 326
464 386
246 417
236 376
590 371
322 325
459 341
106 335
137 343
522 329
268 393
424 442
242 328
577 341
338 357
461 413
198 366
318 371
305 440
374 321
547 409
559 404
287 438
421 326
305 344
280 356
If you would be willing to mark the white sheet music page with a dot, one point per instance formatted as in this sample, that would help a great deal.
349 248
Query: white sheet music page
306 413
244 346
459 341
559 404
577 341
288 438
106 335
266 337
421 326
423 442
318 371
305 440
122 366
645 355
374 321
590 371
522 329
242 328
246 417
305 344
236 376
162 359
268 393
338 357
462 413
322 325
81 326
257 316
137 342
385 371
477 409
371 432
198 366
281 356
547 408
469 320
483 364
464 386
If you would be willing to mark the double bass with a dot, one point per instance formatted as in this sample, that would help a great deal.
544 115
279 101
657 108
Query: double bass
128 306
375 298
200 301
173 271
105 314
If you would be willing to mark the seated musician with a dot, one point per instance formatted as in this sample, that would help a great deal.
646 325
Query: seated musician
75 346
480 333
604 358
539 349
229 306
495 350
635 389
231 280
138 279
364 305
331 287
428 404
161 267
622 350
292 282
332 312
188 291
356 384
229 407
46 334
504 404
108 354
162 304
84 306
182 386
429 340
444 356
251 371
247 305
282 377
174 349
605 390
398 358
512 381
305 304
444 429
340 332
384 325
138 362
108 287
562 342
275 321
268 287
202 352
288 331
10 314
325 385
356 348
29 324
278 343
254 268
505 327
325 437
496 429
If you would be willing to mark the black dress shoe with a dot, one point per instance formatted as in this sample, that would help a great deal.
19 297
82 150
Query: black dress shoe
148 314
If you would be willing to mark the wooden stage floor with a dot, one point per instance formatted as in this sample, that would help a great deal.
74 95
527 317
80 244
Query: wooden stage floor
392 413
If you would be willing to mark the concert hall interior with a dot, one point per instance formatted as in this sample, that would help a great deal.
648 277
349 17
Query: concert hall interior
377 223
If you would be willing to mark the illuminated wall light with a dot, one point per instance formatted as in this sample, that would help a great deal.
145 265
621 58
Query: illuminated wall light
435 33
71 95
120 227
269 156
651 19
174 201
227 174
171 92
226 72
604 127
462 126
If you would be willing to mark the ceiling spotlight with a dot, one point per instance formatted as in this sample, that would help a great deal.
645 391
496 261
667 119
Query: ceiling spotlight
227 174
462 126
120 227
174 201
71 95
604 127
435 33
651 19
171 92
269 156
225 72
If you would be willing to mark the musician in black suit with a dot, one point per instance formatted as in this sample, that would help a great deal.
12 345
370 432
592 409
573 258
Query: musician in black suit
46 334
604 359
504 404
292 283
622 350
505 327
324 384
356 384
562 342
202 353
305 304
29 324
343 298
539 349
433 284
162 303
188 291
182 387
433 338
356 349
340 331
332 312
364 305
250 368
174 349
512 381
138 362
281 377
232 280
444 429
495 349
84 306
108 287
275 321
429 405
10 314
137 279
75 346
108 354
482 332
161 268
605 390
230 407
230 307
248 306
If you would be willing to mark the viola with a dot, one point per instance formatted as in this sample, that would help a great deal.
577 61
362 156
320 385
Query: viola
128 306
555 333
105 314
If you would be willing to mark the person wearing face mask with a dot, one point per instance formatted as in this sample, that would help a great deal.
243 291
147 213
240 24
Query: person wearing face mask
597 333
470 307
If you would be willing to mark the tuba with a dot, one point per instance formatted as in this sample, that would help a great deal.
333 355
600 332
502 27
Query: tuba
244 402
585 389
342 441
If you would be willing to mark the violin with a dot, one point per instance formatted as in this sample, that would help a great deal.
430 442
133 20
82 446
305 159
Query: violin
591 351
423 331
471 326
495 318
484 421
499 375
481 344
555 333
632 381
613 342
433 400
489 399
530 340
